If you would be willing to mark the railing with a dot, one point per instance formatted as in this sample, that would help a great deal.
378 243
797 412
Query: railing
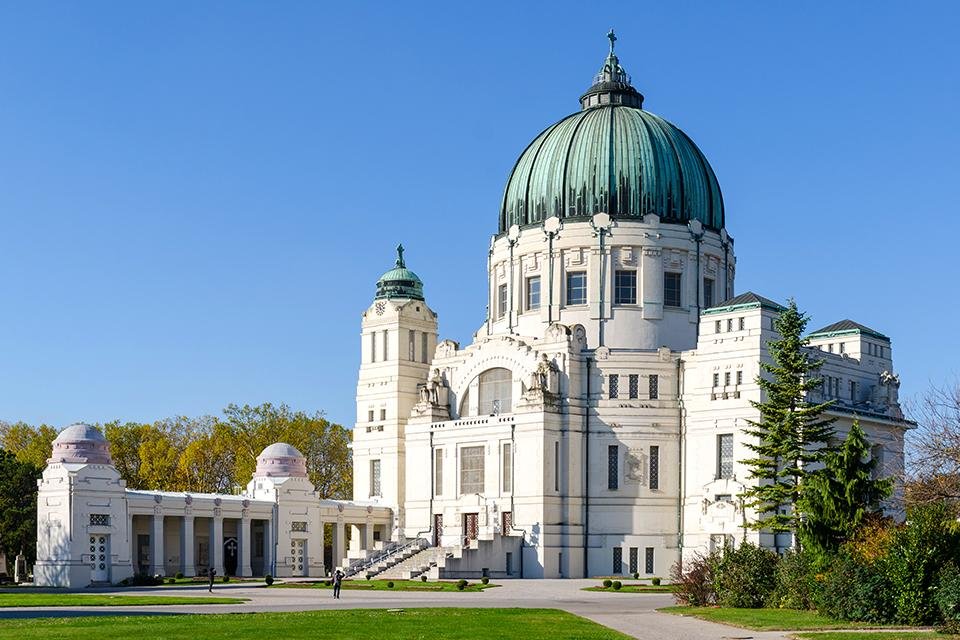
363 564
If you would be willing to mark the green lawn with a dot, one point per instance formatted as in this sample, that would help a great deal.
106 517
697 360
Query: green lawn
633 587
767 619
381 585
94 600
874 635
408 624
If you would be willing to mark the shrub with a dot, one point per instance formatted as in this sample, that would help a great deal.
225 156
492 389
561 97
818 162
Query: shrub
606 583
460 587
423 578
636 575
329 583
226 578
171 580
178 575
617 585
125 582
655 582
268 579
390 584
693 581
461 584
796 582
947 597
854 590
485 580
744 577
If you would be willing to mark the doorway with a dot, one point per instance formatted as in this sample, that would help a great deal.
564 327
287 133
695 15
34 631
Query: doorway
230 556
471 527
100 558
298 551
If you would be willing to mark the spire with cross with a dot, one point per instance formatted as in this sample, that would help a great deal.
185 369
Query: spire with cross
400 264
612 37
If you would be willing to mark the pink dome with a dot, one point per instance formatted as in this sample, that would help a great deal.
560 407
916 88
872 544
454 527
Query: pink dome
81 444
281 460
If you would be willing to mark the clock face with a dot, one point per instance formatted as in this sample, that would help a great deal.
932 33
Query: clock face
381 307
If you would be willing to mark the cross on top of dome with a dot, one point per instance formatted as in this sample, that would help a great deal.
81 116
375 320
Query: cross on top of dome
611 85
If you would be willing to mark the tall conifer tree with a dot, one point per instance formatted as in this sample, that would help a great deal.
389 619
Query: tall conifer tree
791 433
838 498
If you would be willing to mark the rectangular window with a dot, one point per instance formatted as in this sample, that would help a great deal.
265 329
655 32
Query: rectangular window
412 345
438 472
298 526
743 323
613 387
577 287
634 560
373 346
424 347
471 470
853 391
739 378
634 386
613 467
370 415
506 521
533 293
725 456
716 380
617 560
717 327
729 324
374 478
654 468
671 289
625 287
648 560
502 301
707 293
726 379
556 466
509 560
843 347
383 414
386 345
507 465
654 386
830 348
99 519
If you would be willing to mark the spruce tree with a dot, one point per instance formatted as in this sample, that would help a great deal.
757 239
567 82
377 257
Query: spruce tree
791 433
838 498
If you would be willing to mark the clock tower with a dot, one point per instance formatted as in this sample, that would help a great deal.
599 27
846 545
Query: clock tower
398 337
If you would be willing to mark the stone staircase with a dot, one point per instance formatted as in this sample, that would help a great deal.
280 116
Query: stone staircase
413 565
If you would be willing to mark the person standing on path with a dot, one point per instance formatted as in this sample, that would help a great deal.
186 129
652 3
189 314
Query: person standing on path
337 580
210 575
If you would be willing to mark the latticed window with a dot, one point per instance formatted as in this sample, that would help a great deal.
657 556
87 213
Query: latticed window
506 520
577 287
502 301
634 386
625 287
471 470
634 560
496 391
438 472
613 387
374 478
507 465
298 526
617 560
725 456
613 466
99 520
654 386
671 289
654 467
648 560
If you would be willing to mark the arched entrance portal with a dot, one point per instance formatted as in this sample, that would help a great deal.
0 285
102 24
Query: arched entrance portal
230 551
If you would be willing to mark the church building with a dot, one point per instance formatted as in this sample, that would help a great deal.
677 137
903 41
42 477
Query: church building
595 424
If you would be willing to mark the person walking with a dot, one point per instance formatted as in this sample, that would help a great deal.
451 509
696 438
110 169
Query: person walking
211 573
337 580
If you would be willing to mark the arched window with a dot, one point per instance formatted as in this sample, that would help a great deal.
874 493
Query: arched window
495 390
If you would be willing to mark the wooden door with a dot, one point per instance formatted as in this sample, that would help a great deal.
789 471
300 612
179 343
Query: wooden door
471 527
437 528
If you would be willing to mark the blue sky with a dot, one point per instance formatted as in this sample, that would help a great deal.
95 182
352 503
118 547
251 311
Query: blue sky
197 198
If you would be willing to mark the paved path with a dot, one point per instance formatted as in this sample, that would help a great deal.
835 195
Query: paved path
633 614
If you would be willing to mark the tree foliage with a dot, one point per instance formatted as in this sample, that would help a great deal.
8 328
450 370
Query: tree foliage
933 448
791 433
837 499
18 506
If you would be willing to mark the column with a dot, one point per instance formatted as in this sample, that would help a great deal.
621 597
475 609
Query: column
368 537
132 539
268 548
244 534
316 539
156 550
216 543
338 539
188 565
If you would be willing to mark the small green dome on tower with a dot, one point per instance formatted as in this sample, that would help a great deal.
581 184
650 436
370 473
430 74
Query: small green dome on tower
399 282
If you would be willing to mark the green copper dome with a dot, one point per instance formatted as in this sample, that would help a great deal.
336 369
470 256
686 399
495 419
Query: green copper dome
613 157
399 282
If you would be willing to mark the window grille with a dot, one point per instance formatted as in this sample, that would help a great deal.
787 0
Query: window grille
438 472
654 468
648 560
613 466
725 456
634 386
99 520
298 526
374 478
507 464
654 386
471 470
634 564
617 560
614 385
